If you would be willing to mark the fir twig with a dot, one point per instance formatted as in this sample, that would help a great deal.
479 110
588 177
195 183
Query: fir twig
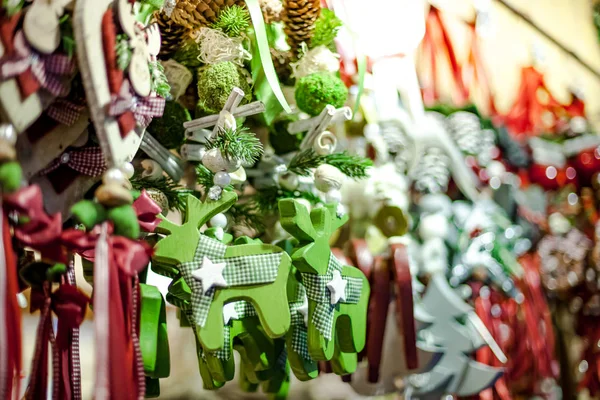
350 165
175 194
123 51
246 214
67 35
237 144
266 200
303 162
204 176
326 28
159 80
233 21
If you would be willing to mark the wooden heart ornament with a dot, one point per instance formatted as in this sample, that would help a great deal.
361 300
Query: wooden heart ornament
32 73
118 86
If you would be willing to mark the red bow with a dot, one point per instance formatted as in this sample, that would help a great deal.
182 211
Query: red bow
143 108
41 231
51 71
69 304
126 258
146 210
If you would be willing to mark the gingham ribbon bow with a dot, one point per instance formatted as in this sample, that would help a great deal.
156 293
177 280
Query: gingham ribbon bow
317 290
143 108
65 111
50 70
297 326
87 161
244 270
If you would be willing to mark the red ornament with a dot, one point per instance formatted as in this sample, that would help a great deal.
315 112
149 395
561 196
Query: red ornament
550 177
587 163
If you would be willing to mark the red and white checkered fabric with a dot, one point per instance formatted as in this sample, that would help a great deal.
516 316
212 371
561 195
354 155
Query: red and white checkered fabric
143 108
65 111
87 161
52 71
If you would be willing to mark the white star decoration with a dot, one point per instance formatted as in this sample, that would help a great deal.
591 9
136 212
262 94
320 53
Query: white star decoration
303 310
210 274
337 287
229 313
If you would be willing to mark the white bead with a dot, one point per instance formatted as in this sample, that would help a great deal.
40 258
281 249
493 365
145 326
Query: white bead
128 170
221 179
328 177
8 133
114 175
218 221
333 196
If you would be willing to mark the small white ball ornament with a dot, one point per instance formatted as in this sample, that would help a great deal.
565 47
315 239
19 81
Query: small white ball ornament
433 226
219 221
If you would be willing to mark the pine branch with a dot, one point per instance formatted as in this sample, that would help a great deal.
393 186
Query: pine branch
123 50
237 144
303 162
159 80
246 214
265 201
350 165
204 176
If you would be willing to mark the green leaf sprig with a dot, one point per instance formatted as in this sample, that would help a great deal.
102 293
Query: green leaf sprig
326 28
124 51
237 144
350 165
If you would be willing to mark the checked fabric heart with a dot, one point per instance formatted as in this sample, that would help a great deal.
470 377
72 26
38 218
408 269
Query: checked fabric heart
239 271
317 290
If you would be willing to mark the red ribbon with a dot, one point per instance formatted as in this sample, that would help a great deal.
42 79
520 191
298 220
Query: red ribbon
143 108
41 231
126 259
11 348
146 210
50 71
437 37
69 304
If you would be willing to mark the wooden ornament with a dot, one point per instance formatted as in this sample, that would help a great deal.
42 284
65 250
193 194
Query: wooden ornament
42 24
87 25
154 342
269 300
14 109
311 257
316 127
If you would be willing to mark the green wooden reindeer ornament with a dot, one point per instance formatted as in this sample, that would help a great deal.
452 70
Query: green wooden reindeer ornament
338 295
218 274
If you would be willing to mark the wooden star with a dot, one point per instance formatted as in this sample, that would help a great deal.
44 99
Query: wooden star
337 287
210 274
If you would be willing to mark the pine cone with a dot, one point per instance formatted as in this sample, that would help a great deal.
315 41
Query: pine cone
299 17
172 35
271 10
196 13
281 61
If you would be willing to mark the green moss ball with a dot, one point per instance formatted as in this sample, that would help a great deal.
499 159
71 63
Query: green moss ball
215 83
315 91
168 129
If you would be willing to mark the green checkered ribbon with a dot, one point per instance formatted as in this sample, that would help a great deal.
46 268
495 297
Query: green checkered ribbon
243 270
297 326
317 290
